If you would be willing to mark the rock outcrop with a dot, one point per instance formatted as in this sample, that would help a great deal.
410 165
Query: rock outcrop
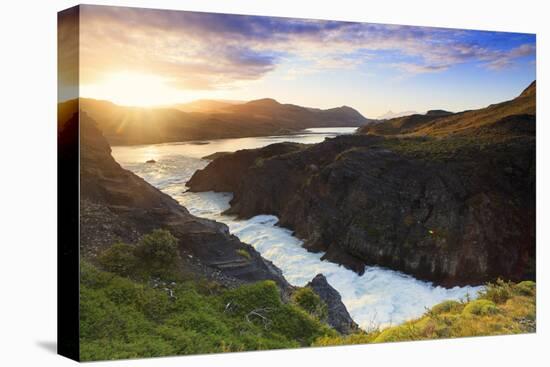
338 316
118 205
454 209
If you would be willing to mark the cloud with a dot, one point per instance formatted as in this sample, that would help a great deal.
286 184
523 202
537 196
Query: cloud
412 68
215 51
503 60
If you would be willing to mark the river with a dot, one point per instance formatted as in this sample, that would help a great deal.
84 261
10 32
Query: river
378 298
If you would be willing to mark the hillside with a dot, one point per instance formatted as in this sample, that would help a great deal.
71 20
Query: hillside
135 125
503 308
454 209
204 105
403 124
510 115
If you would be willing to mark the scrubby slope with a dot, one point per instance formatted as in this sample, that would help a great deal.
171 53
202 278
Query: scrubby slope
513 114
503 308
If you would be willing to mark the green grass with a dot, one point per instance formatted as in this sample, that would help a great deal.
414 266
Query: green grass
125 318
154 255
502 308
309 301
129 308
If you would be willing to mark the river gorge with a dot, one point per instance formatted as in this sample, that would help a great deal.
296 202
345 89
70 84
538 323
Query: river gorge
378 298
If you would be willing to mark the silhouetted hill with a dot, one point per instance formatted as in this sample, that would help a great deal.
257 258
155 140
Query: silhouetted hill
123 125
204 105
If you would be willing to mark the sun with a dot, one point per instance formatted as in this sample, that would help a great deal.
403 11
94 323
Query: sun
133 89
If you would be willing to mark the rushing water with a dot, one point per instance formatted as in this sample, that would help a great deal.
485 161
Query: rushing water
378 298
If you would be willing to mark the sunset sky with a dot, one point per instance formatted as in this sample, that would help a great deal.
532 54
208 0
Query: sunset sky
154 57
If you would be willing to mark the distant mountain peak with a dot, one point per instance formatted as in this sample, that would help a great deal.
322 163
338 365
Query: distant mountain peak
264 101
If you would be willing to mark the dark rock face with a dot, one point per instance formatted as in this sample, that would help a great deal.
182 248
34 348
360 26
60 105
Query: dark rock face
115 203
338 316
457 211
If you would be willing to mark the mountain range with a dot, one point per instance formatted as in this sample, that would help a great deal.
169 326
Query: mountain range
123 125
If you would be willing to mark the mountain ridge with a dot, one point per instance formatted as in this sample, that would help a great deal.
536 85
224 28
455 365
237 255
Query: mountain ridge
138 125
465 122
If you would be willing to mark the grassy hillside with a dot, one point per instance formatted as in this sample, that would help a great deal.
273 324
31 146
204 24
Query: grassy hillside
511 114
121 317
143 307
503 308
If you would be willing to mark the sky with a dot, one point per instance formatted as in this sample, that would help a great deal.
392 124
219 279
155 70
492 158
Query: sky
147 57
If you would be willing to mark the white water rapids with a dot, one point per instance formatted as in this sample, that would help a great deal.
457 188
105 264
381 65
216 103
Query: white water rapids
378 298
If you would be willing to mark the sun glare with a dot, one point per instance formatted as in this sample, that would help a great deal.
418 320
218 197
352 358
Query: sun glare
133 89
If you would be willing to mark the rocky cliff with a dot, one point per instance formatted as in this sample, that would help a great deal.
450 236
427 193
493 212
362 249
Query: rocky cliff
118 205
454 209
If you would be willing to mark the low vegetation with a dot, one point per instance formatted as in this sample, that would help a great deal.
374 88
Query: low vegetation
501 308
155 255
137 311
309 301
132 307
446 149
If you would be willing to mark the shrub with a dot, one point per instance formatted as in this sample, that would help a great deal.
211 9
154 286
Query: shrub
310 302
119 259
407 331
447 307
480 307
526 288
262 295
296 324
158 253
498 292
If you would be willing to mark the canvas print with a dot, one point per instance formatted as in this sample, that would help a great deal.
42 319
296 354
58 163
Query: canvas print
235 183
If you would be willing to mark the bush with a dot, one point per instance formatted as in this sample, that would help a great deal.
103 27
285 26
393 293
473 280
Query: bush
498 292
158 253
526 288
310 302
407 331
447 307
262 295
480 307
118 259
